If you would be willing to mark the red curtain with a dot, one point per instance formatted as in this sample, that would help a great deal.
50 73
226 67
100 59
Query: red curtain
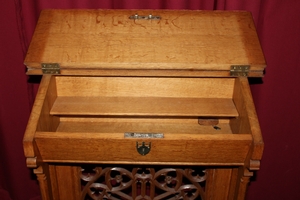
277 99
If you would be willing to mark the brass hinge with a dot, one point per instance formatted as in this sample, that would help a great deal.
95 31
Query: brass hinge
239 70
50 68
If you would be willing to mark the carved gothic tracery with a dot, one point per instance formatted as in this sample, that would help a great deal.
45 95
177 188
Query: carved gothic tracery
118 183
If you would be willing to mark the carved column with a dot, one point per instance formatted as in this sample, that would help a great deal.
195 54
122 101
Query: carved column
42 176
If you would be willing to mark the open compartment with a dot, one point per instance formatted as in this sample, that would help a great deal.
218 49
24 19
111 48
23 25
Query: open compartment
202 120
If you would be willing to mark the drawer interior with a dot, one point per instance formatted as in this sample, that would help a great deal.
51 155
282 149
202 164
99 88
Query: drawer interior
141 125
138 104
128 96
84 119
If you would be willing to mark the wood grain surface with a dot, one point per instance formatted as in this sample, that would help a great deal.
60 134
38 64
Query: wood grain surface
89 40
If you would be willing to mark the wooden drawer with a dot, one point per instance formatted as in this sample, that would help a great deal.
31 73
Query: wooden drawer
204 121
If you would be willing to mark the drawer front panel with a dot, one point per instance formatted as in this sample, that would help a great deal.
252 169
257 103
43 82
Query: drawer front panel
212 149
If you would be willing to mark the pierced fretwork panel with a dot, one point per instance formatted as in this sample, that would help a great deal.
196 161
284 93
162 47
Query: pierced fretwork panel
118 183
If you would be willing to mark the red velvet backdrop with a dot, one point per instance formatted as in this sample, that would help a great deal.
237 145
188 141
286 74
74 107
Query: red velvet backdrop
277 99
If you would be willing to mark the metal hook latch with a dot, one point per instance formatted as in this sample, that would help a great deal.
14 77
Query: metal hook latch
143 148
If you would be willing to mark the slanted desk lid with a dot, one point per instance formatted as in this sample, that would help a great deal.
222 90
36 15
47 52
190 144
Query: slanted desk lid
145 42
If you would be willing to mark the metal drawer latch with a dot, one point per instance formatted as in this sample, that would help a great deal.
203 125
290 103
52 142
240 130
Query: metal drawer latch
143 148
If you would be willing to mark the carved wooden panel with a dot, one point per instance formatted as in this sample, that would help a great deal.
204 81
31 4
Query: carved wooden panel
115 183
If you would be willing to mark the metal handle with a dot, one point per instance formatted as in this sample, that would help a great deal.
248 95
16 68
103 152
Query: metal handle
147 17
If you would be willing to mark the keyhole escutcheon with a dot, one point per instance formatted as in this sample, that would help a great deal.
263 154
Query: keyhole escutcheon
143 148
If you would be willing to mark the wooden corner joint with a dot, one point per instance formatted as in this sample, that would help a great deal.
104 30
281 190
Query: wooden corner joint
254 165
39 170
247 173
31 162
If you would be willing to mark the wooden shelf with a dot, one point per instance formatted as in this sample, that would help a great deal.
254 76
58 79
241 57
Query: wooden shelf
144 106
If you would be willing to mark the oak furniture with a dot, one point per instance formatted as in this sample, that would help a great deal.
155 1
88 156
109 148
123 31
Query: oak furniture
144 104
